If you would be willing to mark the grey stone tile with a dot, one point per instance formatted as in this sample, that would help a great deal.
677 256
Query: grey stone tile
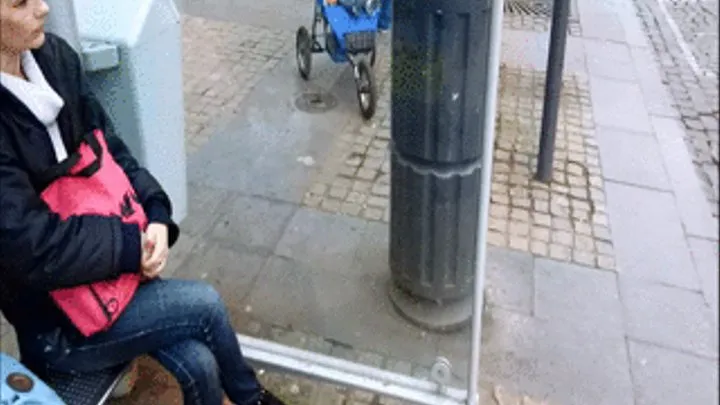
204 207
530 50
555 360
648 236
705 255
599 21
354 310
509 280
259 152
373 250
254 222
635 35
631 158
670 317
183 249
666 377
322 240
588 298
607 59
231 272
658 99
692 205
619 104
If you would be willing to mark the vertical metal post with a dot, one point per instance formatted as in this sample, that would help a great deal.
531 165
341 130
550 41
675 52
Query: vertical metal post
491 90
553 87
62 22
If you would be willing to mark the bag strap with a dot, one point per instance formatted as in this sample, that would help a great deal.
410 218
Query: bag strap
65 168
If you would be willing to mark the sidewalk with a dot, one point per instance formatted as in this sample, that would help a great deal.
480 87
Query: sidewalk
601 288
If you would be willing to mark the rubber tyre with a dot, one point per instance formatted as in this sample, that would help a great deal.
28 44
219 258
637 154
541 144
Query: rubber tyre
303 52
365 84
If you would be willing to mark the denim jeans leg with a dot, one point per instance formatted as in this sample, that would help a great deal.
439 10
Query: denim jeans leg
162 315
196 370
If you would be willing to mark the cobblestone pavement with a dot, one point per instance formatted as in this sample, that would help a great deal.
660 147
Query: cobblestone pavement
222 62
696 98
697 21
565 220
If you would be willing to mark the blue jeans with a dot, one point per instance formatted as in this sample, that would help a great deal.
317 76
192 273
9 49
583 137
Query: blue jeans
183 324
385 19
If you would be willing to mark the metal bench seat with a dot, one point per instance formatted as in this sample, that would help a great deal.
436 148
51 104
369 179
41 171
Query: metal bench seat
86 388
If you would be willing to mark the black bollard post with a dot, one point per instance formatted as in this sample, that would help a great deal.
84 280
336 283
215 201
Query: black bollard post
441 52
553 87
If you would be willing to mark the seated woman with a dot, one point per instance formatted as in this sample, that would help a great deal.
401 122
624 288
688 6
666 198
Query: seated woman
45 108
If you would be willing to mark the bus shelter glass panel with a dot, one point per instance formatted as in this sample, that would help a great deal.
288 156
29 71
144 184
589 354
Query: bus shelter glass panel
350 229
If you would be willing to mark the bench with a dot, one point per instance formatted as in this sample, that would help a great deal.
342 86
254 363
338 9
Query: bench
74 389
86 388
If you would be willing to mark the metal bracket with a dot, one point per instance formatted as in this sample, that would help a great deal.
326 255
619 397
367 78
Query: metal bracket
441 373
99 55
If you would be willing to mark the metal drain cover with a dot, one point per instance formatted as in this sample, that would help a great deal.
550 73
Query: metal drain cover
536 8
315 102
529 8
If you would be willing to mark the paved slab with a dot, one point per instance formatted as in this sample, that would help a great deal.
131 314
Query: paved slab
695 212
649 239
670 317
563 291
632 158
554 360
664 377
222 62
705 254
684 37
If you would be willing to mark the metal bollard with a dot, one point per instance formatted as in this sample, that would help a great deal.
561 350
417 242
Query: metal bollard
440 51
553 88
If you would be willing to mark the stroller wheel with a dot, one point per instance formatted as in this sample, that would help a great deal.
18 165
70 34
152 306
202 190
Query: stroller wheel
303 52
366 90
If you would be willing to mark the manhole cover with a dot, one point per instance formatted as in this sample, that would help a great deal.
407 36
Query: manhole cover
315 102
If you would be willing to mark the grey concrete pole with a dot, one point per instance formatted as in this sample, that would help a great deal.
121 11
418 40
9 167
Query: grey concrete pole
441 55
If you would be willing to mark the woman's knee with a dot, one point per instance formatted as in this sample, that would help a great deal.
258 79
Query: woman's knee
203 295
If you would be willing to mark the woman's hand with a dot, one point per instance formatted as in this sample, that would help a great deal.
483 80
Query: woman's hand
155 250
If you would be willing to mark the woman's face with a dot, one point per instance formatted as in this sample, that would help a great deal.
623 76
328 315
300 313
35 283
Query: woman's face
22 24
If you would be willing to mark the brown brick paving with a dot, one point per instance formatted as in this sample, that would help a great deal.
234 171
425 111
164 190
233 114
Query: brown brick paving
222 63
565 220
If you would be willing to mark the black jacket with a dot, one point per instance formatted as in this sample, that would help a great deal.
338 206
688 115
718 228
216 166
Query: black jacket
39 252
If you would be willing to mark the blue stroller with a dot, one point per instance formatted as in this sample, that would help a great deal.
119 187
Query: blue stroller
349 29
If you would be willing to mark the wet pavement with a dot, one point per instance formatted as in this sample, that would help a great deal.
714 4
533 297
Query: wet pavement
619 308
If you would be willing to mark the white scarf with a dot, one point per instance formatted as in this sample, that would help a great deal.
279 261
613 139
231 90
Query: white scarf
39 98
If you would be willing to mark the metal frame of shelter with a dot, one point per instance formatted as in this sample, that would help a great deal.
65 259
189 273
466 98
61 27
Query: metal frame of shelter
330 369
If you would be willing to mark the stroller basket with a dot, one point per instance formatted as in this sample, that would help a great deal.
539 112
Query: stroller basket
360 41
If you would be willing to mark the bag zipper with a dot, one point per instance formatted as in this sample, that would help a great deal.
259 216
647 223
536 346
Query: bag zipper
100 302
